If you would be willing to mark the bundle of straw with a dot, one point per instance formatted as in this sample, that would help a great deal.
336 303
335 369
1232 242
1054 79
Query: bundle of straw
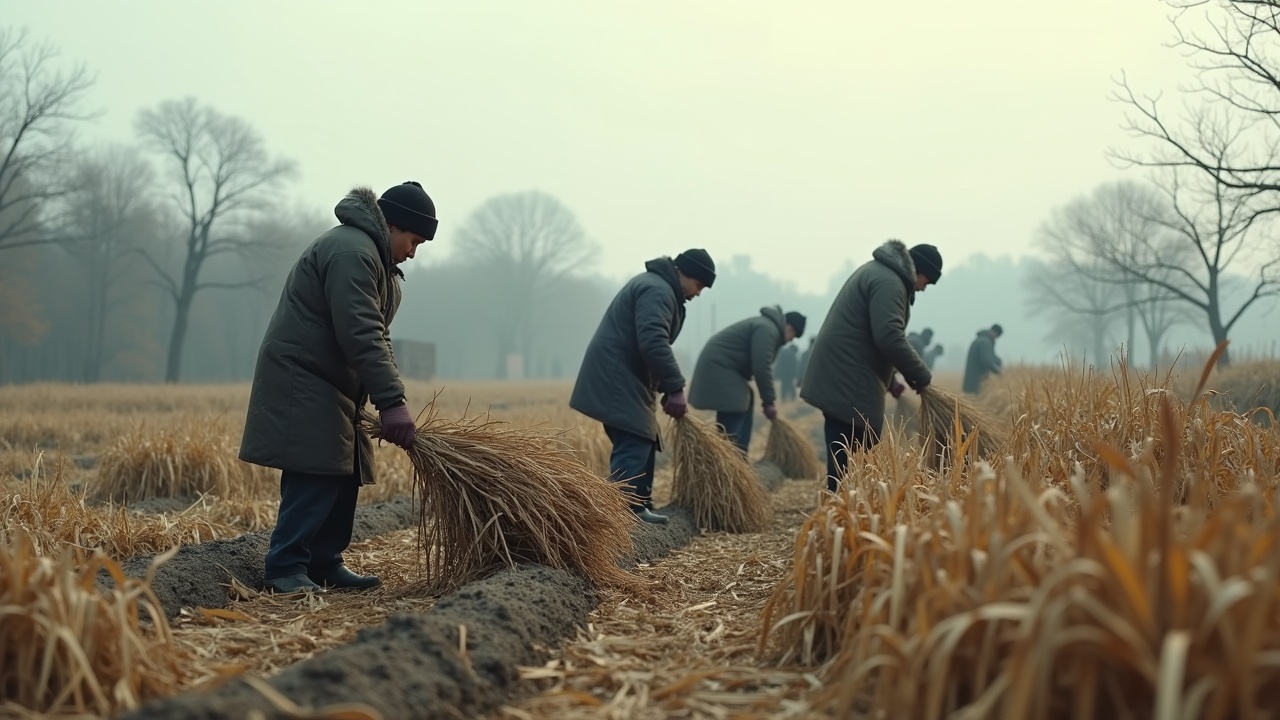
953 427
790 451
492 496
714 480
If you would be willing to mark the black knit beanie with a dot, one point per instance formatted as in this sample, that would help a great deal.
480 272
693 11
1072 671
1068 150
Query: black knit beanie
697 264
928 261
796 321
408 207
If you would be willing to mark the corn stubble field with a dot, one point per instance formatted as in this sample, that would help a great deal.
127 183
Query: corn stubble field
1116 556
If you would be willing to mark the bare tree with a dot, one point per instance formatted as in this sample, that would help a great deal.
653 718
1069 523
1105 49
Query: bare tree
223 172
1103 236
1212 227
528 242
107 218
1081 309
39 105
1234 47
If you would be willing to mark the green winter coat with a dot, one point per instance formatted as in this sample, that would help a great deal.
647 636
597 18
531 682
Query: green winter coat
327 350
981 361
735 355
863 339
629 359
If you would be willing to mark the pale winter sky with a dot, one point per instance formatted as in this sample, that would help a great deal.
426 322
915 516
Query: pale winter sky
801 133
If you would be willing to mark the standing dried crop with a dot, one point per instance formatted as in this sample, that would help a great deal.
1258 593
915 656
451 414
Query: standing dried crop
714 480
791 452
493 496
67 647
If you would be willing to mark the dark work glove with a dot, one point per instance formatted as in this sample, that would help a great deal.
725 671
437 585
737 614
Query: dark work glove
675 405
398 426
770 411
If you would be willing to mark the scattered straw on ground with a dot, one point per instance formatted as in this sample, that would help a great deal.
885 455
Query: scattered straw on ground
262 634
688 649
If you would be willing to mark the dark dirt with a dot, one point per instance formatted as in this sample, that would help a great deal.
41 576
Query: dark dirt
199 574
410 667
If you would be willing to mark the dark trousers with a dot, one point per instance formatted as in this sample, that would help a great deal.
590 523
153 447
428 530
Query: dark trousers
313 527
632 459
737 425
840 438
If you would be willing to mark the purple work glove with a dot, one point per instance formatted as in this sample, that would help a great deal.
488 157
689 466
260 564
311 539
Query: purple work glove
398 426
675 405
770 411
896 389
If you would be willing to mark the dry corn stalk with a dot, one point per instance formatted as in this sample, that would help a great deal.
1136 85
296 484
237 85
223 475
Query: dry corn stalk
713 479
494 496
791 451
68 647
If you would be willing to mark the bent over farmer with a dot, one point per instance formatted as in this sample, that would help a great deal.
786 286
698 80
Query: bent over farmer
729 360
982 360
326 352
862 341
629 360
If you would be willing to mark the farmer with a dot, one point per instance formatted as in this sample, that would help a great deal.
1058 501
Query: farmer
862 341
982 360
787 365
921 340
931 355
629 360
326 351
741 351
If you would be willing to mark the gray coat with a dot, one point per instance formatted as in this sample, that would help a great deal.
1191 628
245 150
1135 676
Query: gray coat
863 340
629 359
981 362
327 349
733 356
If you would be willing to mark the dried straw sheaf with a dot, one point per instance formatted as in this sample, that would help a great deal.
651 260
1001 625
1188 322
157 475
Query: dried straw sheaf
791 452
492 496
953 427
68 648
714 480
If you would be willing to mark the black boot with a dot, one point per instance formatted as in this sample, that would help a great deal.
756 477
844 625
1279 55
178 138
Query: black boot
647 515
341 578
291 584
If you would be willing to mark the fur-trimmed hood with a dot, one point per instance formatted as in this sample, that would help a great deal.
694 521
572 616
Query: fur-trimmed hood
894 253
360 210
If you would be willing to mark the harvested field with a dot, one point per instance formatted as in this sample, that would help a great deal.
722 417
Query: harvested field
705 637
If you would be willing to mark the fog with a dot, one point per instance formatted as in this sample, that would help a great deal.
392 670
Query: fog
789 141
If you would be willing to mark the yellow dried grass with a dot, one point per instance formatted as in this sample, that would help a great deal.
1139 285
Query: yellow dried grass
789 450
713 479
1141 584
67 647
184 460
494 496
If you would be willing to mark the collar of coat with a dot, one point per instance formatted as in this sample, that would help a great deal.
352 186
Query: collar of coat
665 268
360 210
894 254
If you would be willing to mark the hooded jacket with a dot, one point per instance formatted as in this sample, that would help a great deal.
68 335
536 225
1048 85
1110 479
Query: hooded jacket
732 357
863 340
327 350
629 359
